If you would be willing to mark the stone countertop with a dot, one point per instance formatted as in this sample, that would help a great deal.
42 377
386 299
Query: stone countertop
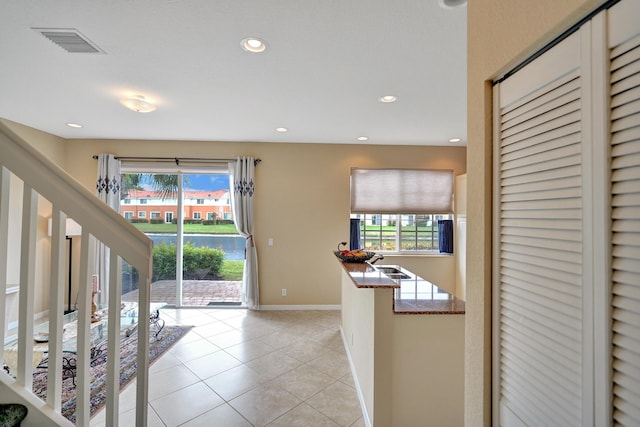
413 295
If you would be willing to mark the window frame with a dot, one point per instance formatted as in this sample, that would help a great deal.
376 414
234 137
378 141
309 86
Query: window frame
378 221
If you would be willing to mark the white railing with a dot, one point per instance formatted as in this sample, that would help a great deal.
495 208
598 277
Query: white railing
42 179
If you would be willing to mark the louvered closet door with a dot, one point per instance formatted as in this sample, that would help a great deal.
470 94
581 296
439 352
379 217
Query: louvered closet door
538 242
625 192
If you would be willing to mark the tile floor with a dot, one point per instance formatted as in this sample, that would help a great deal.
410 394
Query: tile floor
249 368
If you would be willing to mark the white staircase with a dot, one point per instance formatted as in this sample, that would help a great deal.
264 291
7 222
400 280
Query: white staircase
44 185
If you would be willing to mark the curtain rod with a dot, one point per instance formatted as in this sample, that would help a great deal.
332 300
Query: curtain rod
177 160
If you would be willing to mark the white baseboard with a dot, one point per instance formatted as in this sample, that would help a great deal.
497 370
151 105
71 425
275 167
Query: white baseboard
300 307
365 415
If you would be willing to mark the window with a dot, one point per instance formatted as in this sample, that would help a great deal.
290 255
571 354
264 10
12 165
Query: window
128 215
399 209
127 201
400 232
200 201
211 216
155 215
197 215
142 214
143 201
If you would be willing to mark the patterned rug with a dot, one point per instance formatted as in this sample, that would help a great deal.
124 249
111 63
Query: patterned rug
98 371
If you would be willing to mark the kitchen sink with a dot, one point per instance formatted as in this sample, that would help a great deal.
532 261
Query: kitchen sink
392 272
397 275
388 269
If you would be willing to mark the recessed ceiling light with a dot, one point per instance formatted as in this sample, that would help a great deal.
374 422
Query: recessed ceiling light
363 138
450 4
282 130
138 104
388 98
253 45
455 140
74 125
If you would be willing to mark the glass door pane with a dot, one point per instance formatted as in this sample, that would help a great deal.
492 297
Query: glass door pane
213 251
150 202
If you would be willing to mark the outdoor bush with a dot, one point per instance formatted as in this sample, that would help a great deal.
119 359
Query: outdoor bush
138 220
209 222
193 258
156 221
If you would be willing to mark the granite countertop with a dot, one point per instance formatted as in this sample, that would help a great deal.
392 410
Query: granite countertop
413 295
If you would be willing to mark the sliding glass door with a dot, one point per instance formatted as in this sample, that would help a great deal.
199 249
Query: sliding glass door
198 256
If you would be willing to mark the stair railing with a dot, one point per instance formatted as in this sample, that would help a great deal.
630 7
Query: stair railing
44 183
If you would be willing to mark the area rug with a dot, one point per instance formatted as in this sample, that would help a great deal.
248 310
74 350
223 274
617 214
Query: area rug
98 370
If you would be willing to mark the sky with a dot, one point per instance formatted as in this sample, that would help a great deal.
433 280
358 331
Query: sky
207 182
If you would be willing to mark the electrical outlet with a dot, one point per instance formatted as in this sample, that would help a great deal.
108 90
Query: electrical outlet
270 241
284 292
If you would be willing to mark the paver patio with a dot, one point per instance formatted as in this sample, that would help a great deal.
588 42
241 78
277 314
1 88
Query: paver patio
194 292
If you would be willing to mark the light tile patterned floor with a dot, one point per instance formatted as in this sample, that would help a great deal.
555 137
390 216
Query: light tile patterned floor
250 368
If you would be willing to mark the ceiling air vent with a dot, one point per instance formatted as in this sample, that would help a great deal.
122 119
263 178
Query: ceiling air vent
69 39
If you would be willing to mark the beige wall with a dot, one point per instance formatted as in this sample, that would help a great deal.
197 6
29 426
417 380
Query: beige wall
500 34
302 202
49 145
52 147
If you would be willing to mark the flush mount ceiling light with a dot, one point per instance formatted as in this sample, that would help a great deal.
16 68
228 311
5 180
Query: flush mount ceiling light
388 99
451 4
138 104
455 140
74 125
363 138
282 130
253 45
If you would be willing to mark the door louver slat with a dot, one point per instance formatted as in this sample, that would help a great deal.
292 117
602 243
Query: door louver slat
625 263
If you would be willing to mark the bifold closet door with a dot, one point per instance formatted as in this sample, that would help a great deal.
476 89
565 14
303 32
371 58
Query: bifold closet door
624 39
566 289
543 286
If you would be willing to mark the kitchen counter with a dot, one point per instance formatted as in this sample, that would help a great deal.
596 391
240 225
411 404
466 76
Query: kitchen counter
408 370
413 295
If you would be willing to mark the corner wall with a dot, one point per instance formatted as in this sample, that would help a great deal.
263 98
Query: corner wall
500 34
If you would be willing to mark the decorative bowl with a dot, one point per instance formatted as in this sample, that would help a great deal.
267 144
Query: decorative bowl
367 255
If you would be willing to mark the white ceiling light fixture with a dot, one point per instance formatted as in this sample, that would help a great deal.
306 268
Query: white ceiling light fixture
74 125
253 45
282 130
455 140
363 138
138 104
387 99
452 4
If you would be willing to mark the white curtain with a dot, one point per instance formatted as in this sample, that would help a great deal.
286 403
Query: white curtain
108 190
241 176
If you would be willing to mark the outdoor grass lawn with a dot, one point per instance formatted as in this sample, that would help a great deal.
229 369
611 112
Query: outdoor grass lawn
232 270
187 228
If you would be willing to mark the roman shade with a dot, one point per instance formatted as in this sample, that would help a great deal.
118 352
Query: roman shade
416 191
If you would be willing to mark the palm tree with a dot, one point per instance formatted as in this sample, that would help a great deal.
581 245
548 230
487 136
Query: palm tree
165 185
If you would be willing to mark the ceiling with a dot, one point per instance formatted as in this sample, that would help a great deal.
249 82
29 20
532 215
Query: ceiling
326 65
